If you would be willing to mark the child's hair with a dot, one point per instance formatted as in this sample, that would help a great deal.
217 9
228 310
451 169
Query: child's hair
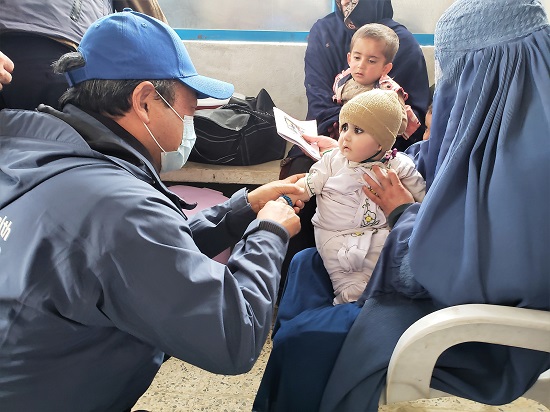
378 32
430 108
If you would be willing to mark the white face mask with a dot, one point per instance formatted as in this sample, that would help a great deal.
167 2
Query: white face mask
175 160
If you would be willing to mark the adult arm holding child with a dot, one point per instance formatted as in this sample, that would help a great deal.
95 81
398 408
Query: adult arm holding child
388 193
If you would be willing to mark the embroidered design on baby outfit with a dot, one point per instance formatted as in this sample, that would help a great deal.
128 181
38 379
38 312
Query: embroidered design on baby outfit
369 216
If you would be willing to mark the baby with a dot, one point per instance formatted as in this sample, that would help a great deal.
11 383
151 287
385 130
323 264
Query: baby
350 230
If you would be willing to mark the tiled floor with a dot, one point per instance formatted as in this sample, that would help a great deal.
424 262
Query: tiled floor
458 404
180 387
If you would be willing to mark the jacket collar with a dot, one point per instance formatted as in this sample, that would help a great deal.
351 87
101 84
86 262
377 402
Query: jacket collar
107 137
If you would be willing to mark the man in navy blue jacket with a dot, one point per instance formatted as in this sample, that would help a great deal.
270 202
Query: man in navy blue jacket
101 271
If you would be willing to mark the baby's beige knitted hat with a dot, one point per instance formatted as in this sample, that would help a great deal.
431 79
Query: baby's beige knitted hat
378 112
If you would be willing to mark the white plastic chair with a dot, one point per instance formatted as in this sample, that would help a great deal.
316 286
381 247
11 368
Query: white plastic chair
412 363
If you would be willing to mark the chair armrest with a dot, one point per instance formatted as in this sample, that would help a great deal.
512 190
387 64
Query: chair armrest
413 360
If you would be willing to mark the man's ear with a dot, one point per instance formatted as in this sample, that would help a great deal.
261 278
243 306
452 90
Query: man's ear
387 69
142 97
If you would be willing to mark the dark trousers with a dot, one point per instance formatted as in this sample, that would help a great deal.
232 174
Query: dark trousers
306 237
34 81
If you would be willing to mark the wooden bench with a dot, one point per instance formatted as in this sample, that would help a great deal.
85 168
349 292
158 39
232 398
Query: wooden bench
242 175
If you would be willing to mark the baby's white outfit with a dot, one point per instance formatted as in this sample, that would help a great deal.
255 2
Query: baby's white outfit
350 230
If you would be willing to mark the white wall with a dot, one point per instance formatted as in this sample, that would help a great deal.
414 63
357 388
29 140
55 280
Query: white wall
276 67
420 16
288 15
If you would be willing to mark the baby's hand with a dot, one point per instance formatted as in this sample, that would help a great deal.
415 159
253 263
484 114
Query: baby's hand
297 197
324 143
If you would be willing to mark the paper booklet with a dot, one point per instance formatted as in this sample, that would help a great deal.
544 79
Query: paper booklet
292 130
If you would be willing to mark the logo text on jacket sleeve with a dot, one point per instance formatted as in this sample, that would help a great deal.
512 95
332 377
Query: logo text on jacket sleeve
5 228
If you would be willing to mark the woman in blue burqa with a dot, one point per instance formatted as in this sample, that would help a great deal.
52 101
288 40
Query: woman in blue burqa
481 234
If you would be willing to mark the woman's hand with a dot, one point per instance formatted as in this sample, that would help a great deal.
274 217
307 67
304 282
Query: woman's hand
6 67
273 190
324 143
389 193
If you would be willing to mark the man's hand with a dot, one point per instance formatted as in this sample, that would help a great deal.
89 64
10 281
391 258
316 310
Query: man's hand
273 190
6 68
297 198
279 211
389 193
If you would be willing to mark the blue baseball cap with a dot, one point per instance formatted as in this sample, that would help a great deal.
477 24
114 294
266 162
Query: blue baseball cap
133 46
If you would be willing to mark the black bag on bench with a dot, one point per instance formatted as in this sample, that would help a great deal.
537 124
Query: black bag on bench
239 133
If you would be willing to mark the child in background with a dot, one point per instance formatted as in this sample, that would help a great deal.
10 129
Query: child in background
428 122
350 230
372 50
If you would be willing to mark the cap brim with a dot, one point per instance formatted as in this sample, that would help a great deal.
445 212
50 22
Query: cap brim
208 87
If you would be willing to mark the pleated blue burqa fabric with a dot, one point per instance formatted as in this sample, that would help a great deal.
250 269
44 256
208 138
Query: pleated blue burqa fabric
481 235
